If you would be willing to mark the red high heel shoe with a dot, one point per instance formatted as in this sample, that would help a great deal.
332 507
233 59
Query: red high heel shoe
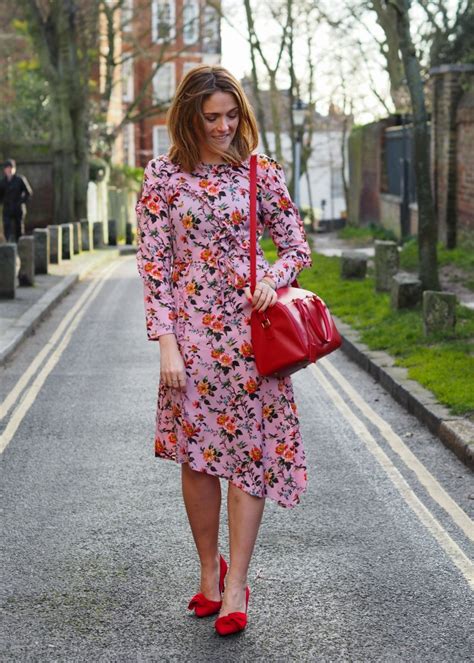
204 607
235 621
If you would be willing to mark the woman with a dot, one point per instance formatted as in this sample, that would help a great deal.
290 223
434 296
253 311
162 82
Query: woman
216 416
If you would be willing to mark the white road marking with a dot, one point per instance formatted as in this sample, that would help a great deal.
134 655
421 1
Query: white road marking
31 394
424 476
452 549
22 383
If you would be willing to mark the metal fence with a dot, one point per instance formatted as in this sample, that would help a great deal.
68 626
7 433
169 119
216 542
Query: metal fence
398 162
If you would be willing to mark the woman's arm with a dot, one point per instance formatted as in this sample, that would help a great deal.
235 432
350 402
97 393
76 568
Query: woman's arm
281 217
154 253
154 262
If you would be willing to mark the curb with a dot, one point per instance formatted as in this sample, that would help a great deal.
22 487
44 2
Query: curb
28 322
456 433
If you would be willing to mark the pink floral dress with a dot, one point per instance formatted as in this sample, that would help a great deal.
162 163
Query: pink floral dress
193 257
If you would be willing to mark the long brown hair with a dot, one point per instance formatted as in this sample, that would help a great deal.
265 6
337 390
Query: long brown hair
186 121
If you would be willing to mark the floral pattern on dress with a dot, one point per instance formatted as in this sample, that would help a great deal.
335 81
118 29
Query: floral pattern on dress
193 258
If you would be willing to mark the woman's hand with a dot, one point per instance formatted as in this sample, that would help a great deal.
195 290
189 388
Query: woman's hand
264 295
172 371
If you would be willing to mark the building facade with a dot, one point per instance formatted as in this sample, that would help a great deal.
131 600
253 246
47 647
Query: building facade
162 41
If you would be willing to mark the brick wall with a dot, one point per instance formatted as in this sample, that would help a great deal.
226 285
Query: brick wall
177 53
465 166
447 89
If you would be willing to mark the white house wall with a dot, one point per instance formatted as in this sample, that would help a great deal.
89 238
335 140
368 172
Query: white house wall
325 159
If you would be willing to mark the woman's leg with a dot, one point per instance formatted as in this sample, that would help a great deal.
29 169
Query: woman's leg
202 499
245 515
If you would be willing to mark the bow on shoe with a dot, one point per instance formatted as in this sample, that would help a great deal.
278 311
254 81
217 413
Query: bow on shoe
232 623
203 606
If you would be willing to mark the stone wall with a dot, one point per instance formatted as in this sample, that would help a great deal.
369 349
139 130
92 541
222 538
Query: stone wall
365 172
390 214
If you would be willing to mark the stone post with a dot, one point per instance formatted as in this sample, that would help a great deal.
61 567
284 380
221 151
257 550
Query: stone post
439 312
406 291
386 264
353 265
76 237
129 236
42 250
86 235
112 232
98 234
26 251
68 245
8 256
55 244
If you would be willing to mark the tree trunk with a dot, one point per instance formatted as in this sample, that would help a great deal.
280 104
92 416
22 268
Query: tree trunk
259 110
63 157
275 111
427 223
386 18
62 35
81 180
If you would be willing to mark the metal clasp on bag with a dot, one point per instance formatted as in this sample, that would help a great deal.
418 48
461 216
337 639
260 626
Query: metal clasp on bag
266 323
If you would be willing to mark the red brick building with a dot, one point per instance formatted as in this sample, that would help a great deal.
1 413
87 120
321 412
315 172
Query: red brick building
165 38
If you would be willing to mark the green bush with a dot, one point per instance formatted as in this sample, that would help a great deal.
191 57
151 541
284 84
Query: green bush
124 177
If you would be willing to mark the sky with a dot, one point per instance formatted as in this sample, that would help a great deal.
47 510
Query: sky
236 57
339 63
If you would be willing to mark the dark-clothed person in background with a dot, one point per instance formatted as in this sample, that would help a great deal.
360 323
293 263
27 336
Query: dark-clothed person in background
14 192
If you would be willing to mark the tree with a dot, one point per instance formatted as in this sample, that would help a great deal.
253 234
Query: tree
448 35
427 224
64 35
116 53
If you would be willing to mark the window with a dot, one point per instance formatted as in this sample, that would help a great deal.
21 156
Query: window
187 66
190 21
163 18
127 80
337 185
164 83
161 140
129 144
127 15
210 30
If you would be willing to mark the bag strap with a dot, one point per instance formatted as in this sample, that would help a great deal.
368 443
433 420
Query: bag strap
253 222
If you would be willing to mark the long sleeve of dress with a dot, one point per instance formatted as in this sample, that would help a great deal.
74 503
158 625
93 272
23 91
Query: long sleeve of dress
154 253
281 217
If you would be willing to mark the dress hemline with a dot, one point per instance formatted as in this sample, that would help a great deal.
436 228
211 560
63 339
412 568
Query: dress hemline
284 505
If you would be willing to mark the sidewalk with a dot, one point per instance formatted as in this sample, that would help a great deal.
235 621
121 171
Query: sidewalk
455 432
20 316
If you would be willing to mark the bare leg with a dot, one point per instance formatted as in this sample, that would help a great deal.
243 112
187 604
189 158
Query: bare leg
202 499
245 514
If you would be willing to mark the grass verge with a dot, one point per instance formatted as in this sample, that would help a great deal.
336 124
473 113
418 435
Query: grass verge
444 365
365 234
460 257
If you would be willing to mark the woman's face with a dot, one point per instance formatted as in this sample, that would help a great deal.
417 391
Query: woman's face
221 119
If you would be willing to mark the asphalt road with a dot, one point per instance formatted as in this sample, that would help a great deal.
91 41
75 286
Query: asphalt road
97 559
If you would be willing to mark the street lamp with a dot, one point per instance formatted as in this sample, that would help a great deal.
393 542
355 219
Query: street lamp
299 114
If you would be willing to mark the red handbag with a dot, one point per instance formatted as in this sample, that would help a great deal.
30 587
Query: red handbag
298 329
